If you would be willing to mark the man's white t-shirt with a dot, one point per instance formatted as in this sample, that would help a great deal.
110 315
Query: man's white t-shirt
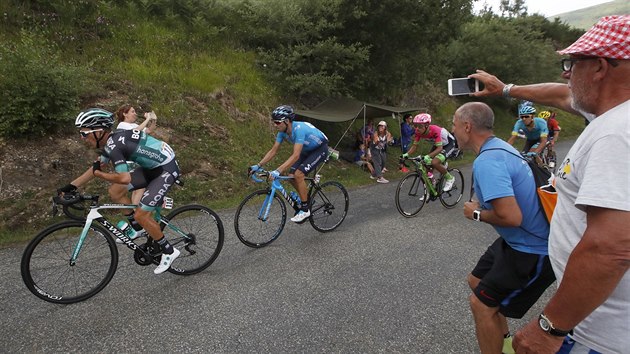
596 172
127 126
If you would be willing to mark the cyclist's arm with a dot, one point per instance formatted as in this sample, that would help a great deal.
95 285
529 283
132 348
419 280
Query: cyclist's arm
556 134
438 149
270 154
119 177
541 145
83 179
297 150
512 138
412 148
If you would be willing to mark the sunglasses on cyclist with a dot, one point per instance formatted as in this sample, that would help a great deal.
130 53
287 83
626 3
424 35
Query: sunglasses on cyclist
527 116
85 134
278 122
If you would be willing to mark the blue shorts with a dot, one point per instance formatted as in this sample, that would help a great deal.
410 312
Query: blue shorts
310 160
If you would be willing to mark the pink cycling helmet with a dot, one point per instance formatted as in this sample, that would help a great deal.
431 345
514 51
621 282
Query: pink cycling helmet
422 118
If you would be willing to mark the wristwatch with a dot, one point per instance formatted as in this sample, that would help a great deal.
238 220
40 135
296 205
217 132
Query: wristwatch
547 326
476 215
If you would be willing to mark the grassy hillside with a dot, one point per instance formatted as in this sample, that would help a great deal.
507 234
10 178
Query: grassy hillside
585 18
212 99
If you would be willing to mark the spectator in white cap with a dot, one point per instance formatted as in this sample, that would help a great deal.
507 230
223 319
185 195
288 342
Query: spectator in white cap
378 149
589 242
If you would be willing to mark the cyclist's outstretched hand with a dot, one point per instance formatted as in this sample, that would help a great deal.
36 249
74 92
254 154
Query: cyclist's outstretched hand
404 156
274 174
492 86
68 188
427 159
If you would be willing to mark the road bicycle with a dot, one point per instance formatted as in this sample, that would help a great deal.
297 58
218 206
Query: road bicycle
262 215
548 158
73 260
417 188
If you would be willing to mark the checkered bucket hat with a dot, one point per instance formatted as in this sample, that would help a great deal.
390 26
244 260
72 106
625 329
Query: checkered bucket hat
608 38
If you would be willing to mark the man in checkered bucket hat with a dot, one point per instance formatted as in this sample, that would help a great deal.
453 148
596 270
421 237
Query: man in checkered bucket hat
589 243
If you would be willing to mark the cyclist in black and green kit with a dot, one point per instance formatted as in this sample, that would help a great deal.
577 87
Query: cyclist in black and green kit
157 172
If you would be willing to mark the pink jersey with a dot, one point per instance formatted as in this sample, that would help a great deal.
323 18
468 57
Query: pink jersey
435 134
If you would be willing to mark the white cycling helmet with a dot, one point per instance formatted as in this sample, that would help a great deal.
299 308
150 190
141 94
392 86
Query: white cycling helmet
94 118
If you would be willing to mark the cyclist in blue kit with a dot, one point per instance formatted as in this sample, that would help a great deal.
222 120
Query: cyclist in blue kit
535 130
157 172
310 148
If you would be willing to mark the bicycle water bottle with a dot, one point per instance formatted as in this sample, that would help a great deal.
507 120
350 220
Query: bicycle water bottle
295 197
431 177
125 228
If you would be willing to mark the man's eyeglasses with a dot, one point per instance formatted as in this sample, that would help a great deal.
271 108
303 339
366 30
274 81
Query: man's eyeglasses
567 64
85 134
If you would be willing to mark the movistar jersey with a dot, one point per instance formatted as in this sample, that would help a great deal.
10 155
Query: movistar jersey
304 133
137 146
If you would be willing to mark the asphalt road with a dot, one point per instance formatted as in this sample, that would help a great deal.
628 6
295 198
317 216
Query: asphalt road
379 283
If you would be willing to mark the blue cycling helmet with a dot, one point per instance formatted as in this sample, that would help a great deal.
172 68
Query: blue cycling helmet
526 110
283 113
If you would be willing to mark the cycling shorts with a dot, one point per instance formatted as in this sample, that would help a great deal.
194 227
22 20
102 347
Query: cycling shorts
530 144
510 279
157 181
448 151
310 160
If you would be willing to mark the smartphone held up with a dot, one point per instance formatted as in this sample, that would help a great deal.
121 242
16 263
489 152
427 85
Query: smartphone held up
462 86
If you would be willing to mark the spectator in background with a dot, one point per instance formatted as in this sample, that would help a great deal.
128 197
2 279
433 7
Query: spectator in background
589 243
406 137
515 270
361 159
365 134
380 139
127 118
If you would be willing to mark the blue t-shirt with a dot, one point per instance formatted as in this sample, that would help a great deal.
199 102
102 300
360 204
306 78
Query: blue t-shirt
498 174
407 132
304 133
540 129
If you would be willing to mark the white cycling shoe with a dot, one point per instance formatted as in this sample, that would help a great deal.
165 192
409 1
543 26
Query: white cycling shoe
166 261
301 216
448 184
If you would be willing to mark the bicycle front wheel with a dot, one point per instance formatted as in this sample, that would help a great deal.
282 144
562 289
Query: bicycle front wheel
198 234
329 206
411 194
49 273
260 219
451 198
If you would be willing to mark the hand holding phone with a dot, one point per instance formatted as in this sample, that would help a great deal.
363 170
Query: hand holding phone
462 86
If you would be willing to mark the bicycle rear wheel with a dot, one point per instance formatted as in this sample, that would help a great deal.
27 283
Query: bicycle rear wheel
257 223
411 194
198 234
451 198
48 273
329 206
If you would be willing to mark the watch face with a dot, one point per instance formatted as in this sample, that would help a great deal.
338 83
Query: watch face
544 324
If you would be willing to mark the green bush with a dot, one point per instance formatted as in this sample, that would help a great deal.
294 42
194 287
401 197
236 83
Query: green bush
38 94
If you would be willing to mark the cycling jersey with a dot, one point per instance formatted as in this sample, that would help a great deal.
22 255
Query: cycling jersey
137 146
304 133
438 136
552 125
539 131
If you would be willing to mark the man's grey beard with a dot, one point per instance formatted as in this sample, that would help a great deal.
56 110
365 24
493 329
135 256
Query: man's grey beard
589 116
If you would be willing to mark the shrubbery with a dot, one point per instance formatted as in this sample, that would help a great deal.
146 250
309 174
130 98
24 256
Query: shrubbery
38 93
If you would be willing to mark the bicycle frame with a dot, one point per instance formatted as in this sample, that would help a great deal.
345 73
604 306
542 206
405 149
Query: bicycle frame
95 215
422 169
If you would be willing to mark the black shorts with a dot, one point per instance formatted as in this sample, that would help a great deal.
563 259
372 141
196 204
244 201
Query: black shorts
529 143
157 182
310 160
510 279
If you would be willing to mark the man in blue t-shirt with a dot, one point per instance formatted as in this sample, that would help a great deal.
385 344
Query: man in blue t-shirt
310 148
515 270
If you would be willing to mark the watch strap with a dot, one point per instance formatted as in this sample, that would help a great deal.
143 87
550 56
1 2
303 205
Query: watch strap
552 330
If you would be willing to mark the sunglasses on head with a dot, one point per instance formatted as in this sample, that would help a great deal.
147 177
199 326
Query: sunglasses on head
85 134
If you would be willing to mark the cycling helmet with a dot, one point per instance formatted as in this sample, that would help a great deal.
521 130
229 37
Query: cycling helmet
544 115
422 118
526 110
283 113
94 118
